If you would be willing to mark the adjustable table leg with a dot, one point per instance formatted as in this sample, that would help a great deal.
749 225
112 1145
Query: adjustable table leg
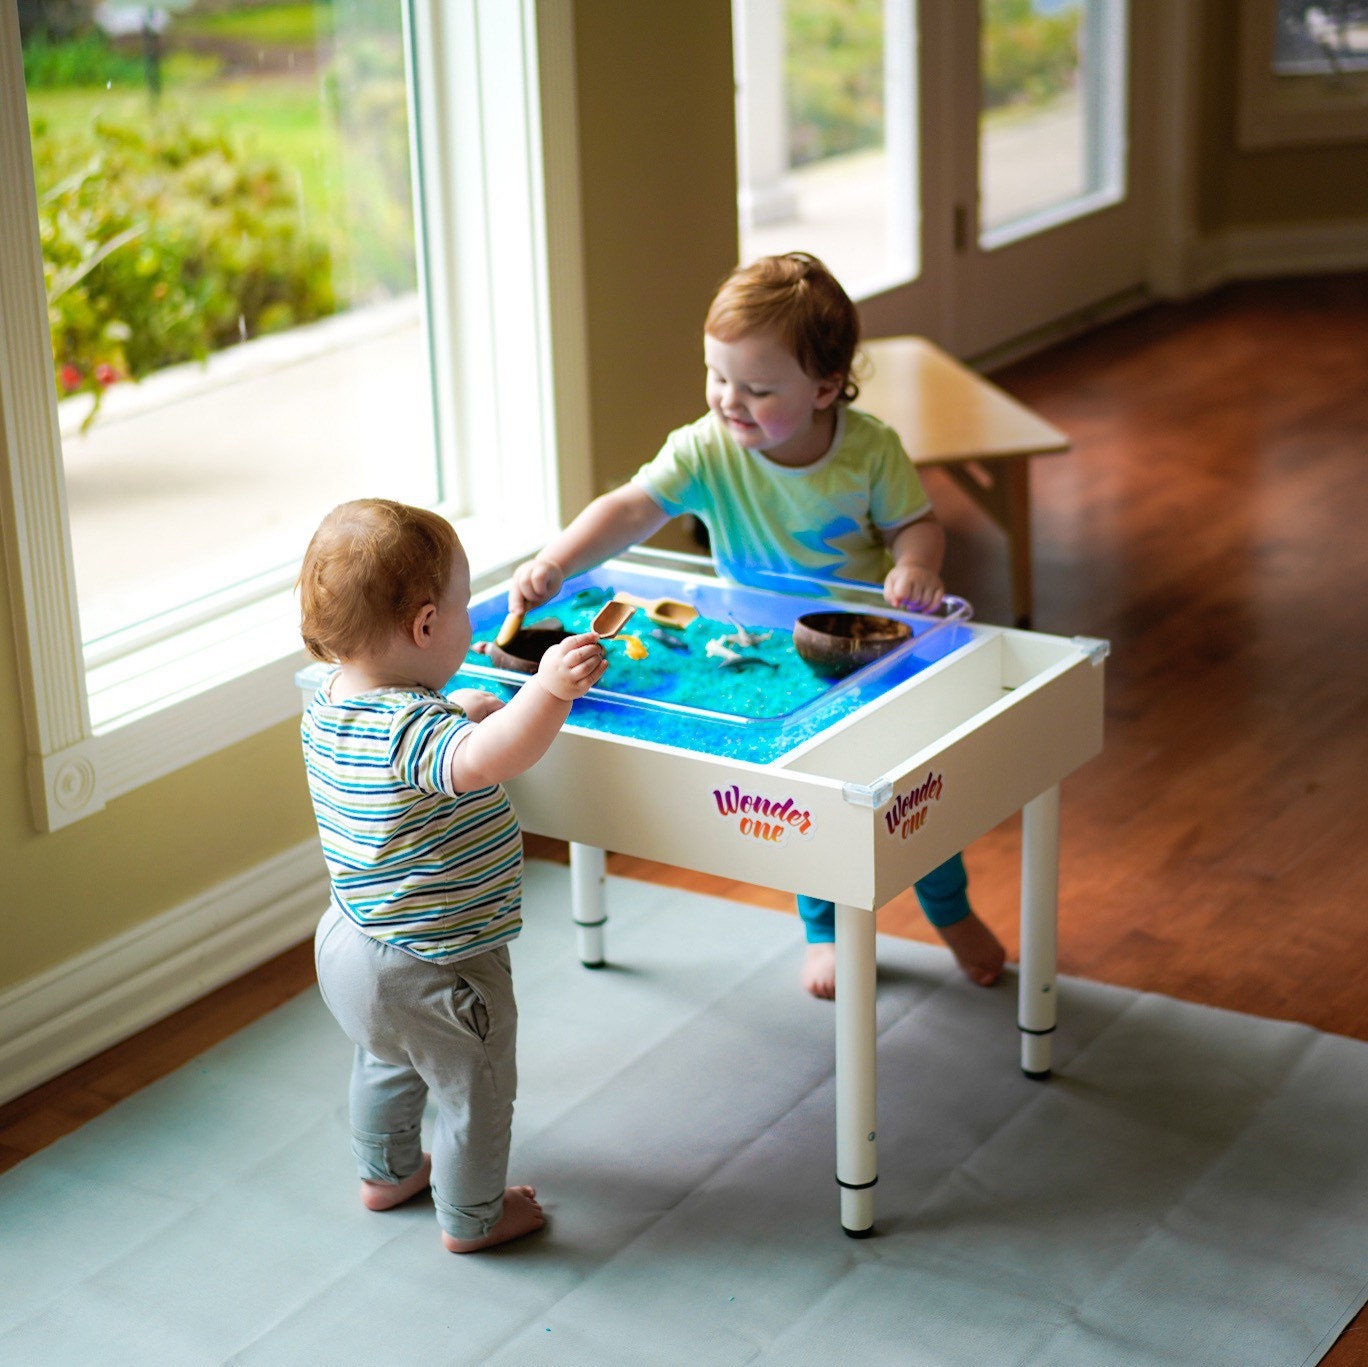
856 1075
1038 1008
587 902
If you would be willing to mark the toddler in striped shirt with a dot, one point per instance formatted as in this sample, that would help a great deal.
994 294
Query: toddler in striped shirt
424 856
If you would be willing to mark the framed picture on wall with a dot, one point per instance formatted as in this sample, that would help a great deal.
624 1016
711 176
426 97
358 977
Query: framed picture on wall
1303 72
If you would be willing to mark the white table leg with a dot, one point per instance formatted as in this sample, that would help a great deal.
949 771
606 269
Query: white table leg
587 902
856 1077
1037 1010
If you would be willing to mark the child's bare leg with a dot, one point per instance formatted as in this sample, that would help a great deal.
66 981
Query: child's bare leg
977 950
387 1195
819 971
522 1214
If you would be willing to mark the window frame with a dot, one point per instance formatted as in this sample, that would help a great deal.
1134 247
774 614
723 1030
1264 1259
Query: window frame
494 87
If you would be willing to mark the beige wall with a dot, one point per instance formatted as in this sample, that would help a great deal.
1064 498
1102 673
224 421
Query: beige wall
1261 189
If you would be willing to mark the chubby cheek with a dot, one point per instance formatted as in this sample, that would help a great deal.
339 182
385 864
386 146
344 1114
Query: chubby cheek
773 422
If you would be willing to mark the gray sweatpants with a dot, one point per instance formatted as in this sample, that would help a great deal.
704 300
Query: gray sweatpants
420 1027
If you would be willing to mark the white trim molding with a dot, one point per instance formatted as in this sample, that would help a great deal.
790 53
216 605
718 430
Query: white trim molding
65 1016
63 766
1286 249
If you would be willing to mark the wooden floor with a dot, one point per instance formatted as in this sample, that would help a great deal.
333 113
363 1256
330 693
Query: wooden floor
1212 524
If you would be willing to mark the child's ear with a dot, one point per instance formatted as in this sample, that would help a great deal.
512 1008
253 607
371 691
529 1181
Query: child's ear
423 623
828 391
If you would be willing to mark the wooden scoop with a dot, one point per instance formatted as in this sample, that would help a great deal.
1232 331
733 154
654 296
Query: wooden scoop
665 612
611 618
512 625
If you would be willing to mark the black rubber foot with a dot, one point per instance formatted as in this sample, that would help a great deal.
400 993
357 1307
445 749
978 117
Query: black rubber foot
1037 1077
598 963
858 1233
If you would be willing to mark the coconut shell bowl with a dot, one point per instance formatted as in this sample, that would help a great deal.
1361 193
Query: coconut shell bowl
522 652
836 643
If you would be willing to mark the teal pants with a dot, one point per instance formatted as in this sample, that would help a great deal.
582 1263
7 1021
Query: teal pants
943 894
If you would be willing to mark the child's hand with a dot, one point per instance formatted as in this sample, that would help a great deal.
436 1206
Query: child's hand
913 586
475 702
534 583
569 670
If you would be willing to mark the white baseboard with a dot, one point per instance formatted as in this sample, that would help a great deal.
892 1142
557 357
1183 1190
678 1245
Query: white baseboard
1196 267
1286 250
1061 330
70 1013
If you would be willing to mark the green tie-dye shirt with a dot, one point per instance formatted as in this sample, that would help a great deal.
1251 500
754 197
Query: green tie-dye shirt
824 520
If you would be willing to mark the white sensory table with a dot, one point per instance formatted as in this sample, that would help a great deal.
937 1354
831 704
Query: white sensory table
855 813
886 795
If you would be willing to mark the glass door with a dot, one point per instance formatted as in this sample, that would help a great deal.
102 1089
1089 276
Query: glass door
828 155
966 167
1046 219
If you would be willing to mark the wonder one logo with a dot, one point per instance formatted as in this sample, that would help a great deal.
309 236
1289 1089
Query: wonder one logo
762 818
906 814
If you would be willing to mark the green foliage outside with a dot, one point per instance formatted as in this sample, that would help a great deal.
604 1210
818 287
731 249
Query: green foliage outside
1027 58
834 75
366 99
265 188
273 24
163 244
84 61
834 68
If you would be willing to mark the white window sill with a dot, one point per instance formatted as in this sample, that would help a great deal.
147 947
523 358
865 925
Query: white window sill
155 710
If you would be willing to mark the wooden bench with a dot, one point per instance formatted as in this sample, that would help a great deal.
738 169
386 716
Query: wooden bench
954 419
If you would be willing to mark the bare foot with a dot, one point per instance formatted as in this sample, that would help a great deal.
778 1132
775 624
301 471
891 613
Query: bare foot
521 1215
387 1195
819 971
977 950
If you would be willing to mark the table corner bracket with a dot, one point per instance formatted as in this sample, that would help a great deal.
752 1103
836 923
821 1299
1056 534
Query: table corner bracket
867 794
1093 647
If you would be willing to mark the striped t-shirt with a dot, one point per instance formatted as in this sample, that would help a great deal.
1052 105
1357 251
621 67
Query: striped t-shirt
412 864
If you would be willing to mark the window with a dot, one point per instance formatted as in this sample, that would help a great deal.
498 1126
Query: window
1052 109
827 154
1303 72
1325 39
411 351
226 212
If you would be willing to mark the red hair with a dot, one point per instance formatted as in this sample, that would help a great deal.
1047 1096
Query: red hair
371 565
797 299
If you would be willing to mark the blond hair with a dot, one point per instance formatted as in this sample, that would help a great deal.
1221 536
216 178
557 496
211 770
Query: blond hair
371 565
795 297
